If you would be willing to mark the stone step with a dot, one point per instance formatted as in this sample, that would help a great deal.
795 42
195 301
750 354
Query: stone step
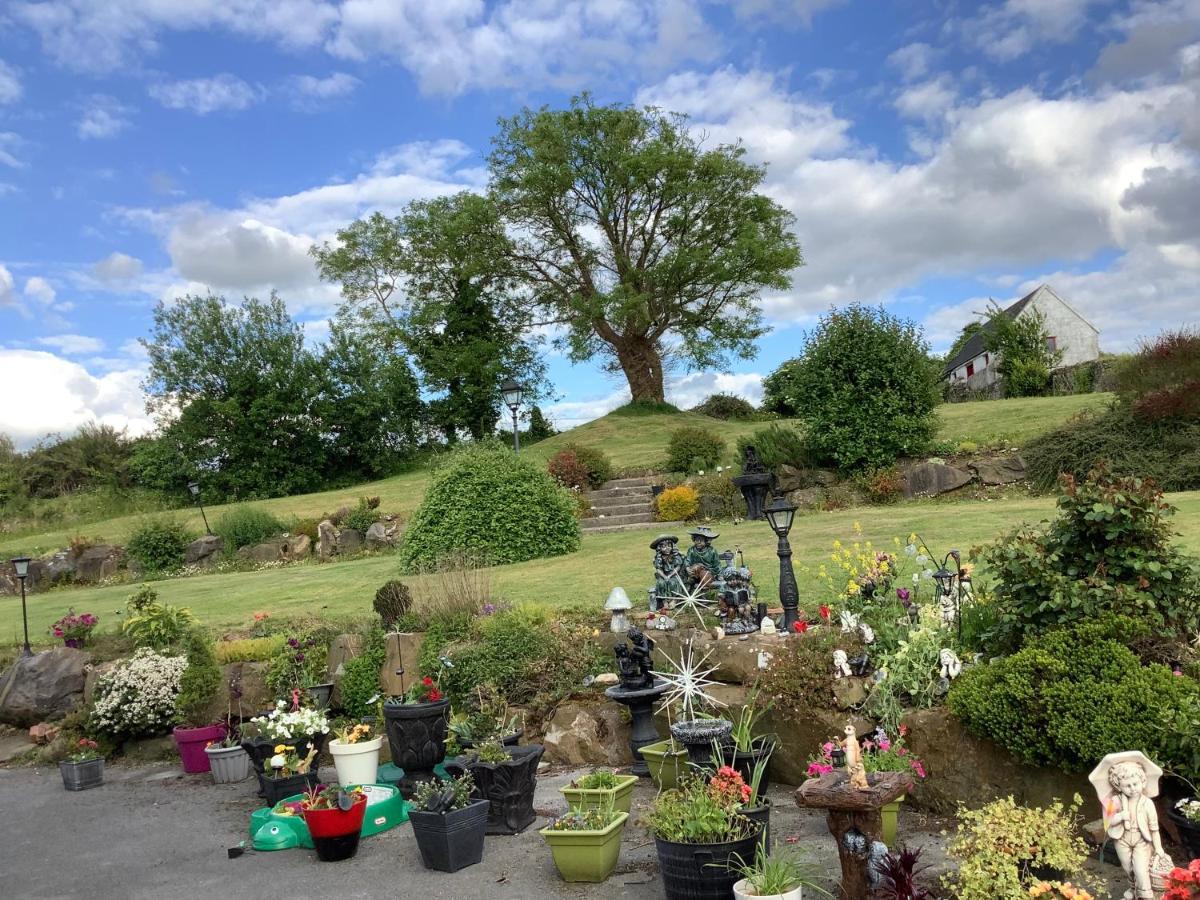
633 526
630 519
641 481
620 509
624 492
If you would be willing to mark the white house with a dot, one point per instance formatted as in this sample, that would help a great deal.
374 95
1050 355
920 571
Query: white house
1066 330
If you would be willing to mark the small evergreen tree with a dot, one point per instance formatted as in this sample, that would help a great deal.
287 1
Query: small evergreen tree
1022 347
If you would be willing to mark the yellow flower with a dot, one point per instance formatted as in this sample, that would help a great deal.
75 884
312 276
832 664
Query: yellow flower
896 541
852 587
837 545
282 748
857 527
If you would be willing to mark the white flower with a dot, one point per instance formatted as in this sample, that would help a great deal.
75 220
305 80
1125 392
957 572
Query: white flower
916 577
137 697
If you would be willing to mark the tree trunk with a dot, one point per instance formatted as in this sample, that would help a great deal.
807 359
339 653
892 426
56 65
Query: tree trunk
641 362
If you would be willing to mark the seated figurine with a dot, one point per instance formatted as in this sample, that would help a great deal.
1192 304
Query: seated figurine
669 572
738 602
701 563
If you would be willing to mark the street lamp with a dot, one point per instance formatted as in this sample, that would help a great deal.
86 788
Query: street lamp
21 566
512 391
780 514
949 590
194 487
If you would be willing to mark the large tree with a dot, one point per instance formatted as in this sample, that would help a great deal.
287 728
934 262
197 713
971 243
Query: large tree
438 281
638 240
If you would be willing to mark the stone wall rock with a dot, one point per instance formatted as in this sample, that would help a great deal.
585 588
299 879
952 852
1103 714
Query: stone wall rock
326 539
349 540
378 537
203 551
97 563
243 690
299 547
1000 469
401 668
586 733
268 551
45 686
928 479
343 649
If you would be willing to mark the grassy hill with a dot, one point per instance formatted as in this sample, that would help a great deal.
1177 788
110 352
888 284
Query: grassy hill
633 442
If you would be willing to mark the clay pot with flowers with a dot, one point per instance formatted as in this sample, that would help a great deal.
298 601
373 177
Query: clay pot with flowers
417 724
334 816
83 767
74 629
355 752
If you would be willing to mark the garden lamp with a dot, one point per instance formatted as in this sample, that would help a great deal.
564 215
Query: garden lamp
780 514
194 487
21 567
946 581
512 391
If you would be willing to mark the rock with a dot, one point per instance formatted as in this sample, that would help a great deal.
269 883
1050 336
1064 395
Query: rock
588 734
326 540
203 551
400 669
343 649
152 749
1000 469
849 692
243 691
91 675
97 563
37 579
789 478
299 547
928 479
807 498
45 686
59 569
349 540
268 551
378 537
9 584
604 679
825 477
43 733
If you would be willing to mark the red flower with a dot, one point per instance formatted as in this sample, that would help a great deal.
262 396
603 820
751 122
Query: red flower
800 627
824 610
434 694
427 681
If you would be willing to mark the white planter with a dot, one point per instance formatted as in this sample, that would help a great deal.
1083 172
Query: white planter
741 888
356 763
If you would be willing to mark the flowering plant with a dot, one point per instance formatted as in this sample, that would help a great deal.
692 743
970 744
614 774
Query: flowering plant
424 691
1184 884
85 749
353 734
299 664
328 796
880 754
281 724
137 697
728 788
74 629
1056 890
287 762
1189 808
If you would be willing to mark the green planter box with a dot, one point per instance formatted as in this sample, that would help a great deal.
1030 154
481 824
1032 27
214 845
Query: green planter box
596 798
888 814
587 855
667 761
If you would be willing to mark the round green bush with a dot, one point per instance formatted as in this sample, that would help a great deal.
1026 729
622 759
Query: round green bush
158 544
691 449
599 467
728 408
491 505
244 526
777 445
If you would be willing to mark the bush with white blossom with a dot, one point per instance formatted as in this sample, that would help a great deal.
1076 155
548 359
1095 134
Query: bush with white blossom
280 724
137 698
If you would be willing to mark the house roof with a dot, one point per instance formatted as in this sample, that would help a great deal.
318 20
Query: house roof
975 344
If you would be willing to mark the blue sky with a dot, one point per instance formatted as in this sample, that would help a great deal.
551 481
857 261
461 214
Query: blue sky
935 154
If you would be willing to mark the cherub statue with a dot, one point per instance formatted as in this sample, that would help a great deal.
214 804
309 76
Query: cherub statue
951 664
669 572
866 632
841 664
1126 784
854 760
850 621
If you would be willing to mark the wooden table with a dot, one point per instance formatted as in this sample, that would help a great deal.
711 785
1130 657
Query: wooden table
848 810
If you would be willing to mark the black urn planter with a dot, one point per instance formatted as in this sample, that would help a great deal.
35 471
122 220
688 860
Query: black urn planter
745 760
754 487
1189 832
698 736
509 740
761 815
261 749
417 739
450 841
507 786
702 871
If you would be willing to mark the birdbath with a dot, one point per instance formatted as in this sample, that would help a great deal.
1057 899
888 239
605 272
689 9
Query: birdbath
641 709
854 819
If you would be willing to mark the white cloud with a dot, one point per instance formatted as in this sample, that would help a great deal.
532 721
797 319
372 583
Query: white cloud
928 100
117 267
568 414
912 61
784 11
103 117
10 84
308 92
10 142
8 293
688 390
1008 30
39 289
206 95
72 344
57 395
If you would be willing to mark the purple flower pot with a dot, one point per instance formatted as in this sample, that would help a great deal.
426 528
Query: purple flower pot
191 743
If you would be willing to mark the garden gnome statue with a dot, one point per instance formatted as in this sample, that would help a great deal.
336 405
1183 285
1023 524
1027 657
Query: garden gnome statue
841 664
668 570
854 760
618 604
701 562
951 664
1126 784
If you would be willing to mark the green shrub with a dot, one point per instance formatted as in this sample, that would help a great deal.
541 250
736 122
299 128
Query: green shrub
299 663
728 408
1071 696
864 389
160 626
1108 552
158 544
720 498
1162 380
258 649
307 527
691 449
363 516
360 679
491 504
646 408
575 466
777 445
244 526
200 681
595 461
677 504
800 677
884 485
1027 378
392 601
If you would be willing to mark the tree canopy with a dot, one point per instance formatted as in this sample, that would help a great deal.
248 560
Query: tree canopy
1021 344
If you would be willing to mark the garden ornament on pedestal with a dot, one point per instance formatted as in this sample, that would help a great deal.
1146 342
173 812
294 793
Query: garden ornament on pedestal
635 662
638 690
702 562
841 664
1126 785
618 604
854 760
738 600
687 687
668 571
754 483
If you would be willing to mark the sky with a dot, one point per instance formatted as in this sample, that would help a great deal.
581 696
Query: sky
935 154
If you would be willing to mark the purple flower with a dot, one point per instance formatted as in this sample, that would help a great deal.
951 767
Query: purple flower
903 594
293 643
299 657
489 609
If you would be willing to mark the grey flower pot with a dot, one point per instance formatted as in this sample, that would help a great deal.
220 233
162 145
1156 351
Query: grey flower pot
79 776
228 765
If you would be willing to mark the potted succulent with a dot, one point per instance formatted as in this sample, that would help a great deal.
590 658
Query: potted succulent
197 687
74 629
599 789
699 835
507 778
749 747
334 816
666 761
448 823
491 720
1186 816
83 767
356 754
773 877
227 760
298 729
287 773
417 724
586 842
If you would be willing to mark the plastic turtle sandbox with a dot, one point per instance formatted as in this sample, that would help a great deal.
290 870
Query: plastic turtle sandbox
282 827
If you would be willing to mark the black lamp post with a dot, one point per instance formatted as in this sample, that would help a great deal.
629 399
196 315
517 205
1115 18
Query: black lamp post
194 487
780 514
948 588
21 566
512 391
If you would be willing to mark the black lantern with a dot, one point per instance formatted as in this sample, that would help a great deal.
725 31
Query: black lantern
21 567
780 514
949 594
194 488
512 391
838 757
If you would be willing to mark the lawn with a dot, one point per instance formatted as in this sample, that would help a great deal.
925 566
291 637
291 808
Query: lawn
346 588
632 442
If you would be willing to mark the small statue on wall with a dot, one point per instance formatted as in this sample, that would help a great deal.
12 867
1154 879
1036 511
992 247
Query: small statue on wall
1126 785
854 760
738 601
635 661
951 664
701 562
841 664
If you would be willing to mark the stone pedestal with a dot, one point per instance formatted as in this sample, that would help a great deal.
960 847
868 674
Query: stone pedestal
754 489
641 708
854 820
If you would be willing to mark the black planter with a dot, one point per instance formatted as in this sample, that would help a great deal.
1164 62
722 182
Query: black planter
336 849
1189 833
754 487
321 694
276 789
417 739
260 750
745 760
761 815
451 841
509 740
507 786
698 736
702 871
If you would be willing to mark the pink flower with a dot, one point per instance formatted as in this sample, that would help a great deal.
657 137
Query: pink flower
816 768
827 748
885 745
901 751
917 767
